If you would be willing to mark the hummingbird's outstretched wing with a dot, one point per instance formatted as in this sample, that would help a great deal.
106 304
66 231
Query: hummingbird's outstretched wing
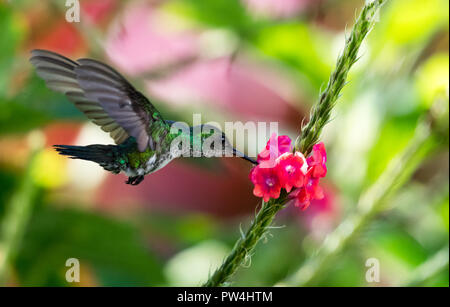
104 96
123 103
59 75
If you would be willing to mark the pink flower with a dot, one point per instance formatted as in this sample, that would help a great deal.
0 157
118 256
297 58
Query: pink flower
291 169
279 168
266 181
284 144
276 146
303 196
317 161
316 169
300 198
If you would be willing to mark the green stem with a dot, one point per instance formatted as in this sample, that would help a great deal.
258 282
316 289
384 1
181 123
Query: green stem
321 112
309 136
371 202
16 219
245 244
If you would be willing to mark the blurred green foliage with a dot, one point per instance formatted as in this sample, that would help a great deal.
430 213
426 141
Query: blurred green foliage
114 250
403 69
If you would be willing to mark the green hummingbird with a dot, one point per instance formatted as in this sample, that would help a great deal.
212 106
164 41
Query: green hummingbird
144 140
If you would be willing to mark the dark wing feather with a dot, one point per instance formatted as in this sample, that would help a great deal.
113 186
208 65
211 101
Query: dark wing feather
59 75
123 103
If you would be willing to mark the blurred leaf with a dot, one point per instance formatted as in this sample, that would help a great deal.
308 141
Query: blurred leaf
297 45
114 249
395 246
18 212
7 182
349 271
192 266
398 96
419 211
217 13
444 211
185 230
13 32
410 21
34 106
19 118
393 137
440 280
433 78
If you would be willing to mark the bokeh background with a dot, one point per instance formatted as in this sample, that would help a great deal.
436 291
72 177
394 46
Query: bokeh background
230 60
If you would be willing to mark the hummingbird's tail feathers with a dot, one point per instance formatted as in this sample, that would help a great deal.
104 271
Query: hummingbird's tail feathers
108 156
243 156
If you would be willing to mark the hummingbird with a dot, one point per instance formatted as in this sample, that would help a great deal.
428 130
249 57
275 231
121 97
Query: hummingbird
143 139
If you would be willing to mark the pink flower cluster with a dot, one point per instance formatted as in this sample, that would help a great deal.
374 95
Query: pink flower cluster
280 168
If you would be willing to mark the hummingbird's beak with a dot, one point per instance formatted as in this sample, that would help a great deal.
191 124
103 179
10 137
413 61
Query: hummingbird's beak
237 153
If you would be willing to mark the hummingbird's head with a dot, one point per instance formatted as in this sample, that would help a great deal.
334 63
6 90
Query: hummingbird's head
214 142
